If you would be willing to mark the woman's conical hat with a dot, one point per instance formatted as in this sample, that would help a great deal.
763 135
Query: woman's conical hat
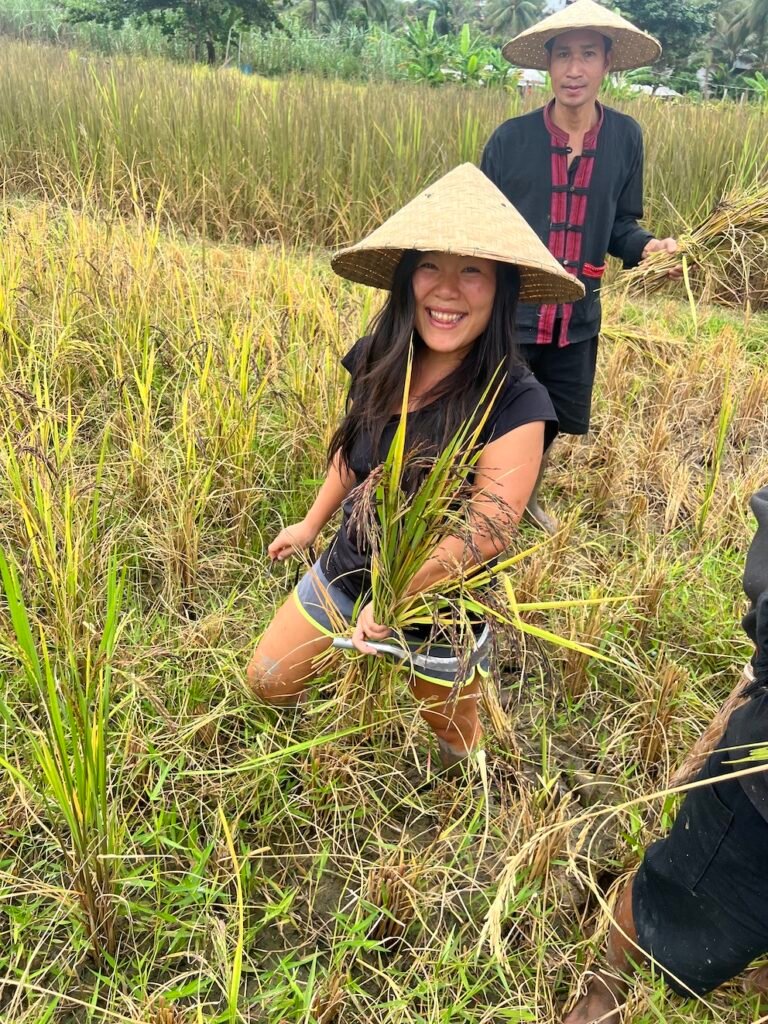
465 214
631 47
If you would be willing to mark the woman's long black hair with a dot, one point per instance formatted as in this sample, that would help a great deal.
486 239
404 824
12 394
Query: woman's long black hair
379 373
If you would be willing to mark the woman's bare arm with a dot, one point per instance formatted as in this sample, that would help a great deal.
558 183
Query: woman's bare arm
505 476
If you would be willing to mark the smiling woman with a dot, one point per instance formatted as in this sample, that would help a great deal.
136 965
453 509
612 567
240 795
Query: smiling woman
444 343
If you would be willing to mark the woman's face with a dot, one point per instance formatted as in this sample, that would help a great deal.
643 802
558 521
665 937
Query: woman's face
454 298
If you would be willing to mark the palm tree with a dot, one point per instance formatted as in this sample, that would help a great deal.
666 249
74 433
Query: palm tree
377 10
754 17
730 35
324 13
508 17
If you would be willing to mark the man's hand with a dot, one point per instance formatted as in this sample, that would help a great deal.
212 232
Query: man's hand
368 627
663 245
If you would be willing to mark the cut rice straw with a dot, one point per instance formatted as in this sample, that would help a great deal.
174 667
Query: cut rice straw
725 254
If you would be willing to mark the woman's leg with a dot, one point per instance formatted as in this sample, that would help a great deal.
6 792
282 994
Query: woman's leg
454 721
282 664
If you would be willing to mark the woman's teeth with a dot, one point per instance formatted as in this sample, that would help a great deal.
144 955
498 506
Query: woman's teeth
445 318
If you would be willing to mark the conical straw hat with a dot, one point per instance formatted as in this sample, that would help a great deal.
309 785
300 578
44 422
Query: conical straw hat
631 47
465 214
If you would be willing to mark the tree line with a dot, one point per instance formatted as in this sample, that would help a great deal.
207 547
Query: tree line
448 39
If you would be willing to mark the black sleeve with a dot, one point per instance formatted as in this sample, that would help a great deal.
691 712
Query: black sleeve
628 239
351 360
522 401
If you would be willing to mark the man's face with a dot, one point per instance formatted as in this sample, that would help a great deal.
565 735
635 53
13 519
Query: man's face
578 64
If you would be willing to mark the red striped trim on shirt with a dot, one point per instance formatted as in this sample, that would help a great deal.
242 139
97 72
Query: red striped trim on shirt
566 244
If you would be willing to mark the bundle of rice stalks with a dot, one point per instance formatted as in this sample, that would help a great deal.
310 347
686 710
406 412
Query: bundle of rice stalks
409 507
724 256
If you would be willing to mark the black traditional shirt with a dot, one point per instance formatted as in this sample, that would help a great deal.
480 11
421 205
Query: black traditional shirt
580 213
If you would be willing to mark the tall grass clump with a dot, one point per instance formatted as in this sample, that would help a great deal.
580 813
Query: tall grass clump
39 21
300 160
71 746
342 52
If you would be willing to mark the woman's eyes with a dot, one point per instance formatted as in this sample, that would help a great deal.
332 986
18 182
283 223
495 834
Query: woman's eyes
433 266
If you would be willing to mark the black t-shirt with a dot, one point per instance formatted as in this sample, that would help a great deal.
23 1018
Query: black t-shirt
522 400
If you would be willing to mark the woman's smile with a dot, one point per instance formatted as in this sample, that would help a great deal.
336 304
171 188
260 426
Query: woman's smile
445 318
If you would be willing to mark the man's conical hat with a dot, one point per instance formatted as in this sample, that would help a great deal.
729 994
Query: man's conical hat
465 214
631 47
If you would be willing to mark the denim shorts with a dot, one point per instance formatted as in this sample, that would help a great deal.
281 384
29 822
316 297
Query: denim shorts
332 611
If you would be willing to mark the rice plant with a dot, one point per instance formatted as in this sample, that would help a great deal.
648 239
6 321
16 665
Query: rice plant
69 735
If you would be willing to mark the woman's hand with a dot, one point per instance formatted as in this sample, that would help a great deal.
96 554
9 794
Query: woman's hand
291 540
368 628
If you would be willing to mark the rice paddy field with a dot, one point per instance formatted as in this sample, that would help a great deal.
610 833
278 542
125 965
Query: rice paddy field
170 850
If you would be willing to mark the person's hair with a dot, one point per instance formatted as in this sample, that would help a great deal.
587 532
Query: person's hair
380 368
607 42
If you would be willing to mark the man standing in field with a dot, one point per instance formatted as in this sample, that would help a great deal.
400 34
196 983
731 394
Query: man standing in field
574 169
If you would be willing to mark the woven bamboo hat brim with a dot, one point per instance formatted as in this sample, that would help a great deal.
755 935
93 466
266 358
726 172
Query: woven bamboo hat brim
465 214
631 47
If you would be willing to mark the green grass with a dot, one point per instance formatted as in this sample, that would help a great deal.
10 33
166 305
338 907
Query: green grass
165 409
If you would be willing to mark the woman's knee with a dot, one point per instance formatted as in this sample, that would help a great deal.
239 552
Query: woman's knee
282 665
267 683
437 716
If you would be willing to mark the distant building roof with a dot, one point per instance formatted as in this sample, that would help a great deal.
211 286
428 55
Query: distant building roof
530 76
